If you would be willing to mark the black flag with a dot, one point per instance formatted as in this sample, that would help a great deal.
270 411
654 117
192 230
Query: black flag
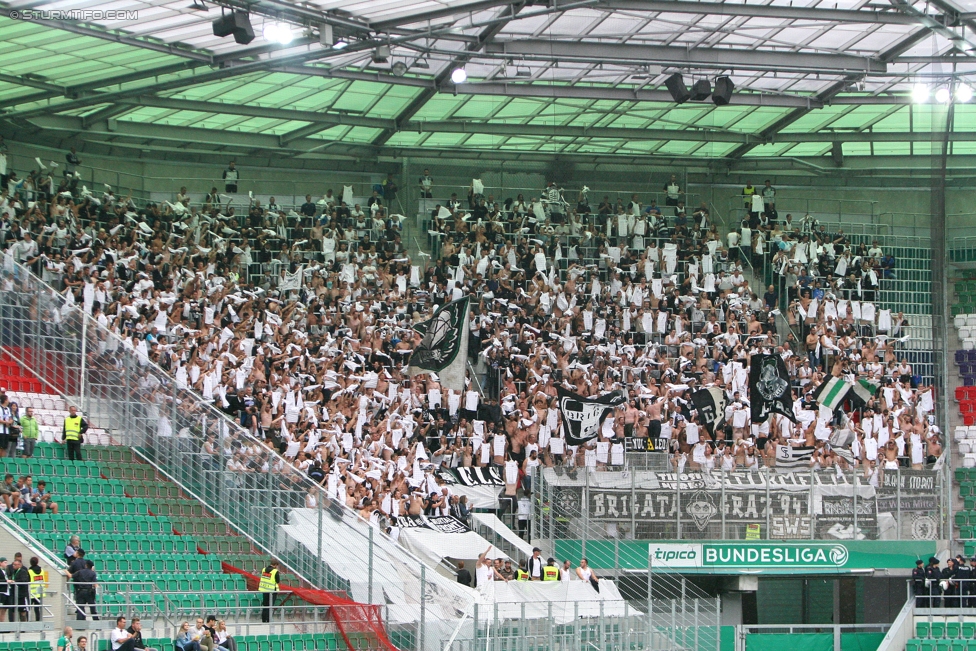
769 388
710 404
444 347
583 417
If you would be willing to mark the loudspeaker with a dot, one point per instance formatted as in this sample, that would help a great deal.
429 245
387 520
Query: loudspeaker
237 24
700 90
676 86
837 153
723 91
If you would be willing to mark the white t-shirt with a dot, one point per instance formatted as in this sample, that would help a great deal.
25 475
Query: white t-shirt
118 637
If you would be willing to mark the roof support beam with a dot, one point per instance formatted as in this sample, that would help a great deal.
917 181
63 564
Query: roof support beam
828 94
327 119
27 80
263 65
302 132
441 78
957 39
623 94
76 90
714 58
99 124
444 12
758 10
110 111
132 135
146 44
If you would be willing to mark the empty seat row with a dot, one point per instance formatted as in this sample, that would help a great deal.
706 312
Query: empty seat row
138 524
100 453
201 525
151 489
51 467
205 581
223 544
916 644
75 524
26 645
104 505
177 507
141 544
949 630
128 471
139 564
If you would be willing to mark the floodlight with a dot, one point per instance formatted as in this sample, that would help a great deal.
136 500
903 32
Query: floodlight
275 32
920 93
942 95
459 75
964 93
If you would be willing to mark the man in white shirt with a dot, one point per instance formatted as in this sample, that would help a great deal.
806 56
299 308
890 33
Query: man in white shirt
121 639
201 634
25 251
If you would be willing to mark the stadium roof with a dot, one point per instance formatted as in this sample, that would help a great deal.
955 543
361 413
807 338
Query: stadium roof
574 78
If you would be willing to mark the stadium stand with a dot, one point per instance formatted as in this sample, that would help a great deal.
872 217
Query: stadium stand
145 538
298 327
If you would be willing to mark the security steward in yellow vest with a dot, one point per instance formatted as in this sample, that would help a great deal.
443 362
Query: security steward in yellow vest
73 434
550 572
520 573
38 585
268 587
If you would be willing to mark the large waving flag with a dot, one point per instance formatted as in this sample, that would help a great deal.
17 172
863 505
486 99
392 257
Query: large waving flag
444 347
583 417
769 388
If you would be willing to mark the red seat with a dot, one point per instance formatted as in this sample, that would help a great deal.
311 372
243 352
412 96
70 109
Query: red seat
969 420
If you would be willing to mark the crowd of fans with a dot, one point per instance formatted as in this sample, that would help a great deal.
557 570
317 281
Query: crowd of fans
298 323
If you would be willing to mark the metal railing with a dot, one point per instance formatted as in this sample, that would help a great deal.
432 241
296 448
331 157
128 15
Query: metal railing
142 406
25 614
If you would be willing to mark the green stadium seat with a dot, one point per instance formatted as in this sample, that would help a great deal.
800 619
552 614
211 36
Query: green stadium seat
923 630
938 630
969 628
952 630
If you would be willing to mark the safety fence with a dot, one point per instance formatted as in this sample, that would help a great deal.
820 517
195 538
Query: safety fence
168 426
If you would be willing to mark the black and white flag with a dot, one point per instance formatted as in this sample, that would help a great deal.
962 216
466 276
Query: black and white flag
444 347
710 404
769 388
583 417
